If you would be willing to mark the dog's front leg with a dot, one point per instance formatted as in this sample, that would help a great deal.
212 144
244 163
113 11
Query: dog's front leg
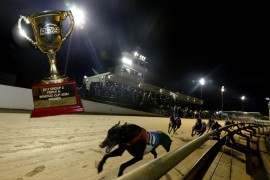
129 163
117 152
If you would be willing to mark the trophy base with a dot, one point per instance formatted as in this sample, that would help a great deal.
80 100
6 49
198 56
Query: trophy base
53 80
55 99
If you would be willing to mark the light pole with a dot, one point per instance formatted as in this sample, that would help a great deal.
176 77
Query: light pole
222 90
202 82
243 98
268 99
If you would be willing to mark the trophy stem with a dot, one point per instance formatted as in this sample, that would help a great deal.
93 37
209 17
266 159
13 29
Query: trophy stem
53 74
52 61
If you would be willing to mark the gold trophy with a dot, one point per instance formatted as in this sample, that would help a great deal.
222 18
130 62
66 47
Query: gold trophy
56 94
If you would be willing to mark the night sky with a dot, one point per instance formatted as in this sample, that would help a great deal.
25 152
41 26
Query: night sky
224 43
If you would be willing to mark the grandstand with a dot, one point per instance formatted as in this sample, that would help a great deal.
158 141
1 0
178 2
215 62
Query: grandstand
124 85
240 115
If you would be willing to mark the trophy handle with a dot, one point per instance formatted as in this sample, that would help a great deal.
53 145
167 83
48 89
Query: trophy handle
21 30
70 26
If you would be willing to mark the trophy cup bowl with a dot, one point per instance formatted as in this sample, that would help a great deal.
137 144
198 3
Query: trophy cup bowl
56 94
47 29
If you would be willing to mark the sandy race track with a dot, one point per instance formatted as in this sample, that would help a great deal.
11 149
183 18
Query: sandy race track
66 146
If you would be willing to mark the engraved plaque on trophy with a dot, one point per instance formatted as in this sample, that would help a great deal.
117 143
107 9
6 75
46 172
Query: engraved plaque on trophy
55 94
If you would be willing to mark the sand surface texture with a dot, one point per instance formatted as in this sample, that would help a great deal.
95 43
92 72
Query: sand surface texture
67 147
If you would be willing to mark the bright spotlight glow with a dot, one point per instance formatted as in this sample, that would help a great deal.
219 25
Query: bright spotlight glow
202 81
243 97
78 16
222 89
126 60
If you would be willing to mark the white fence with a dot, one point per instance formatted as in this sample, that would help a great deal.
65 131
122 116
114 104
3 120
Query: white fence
15 98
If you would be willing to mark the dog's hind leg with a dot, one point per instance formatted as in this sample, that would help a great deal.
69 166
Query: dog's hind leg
153 151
